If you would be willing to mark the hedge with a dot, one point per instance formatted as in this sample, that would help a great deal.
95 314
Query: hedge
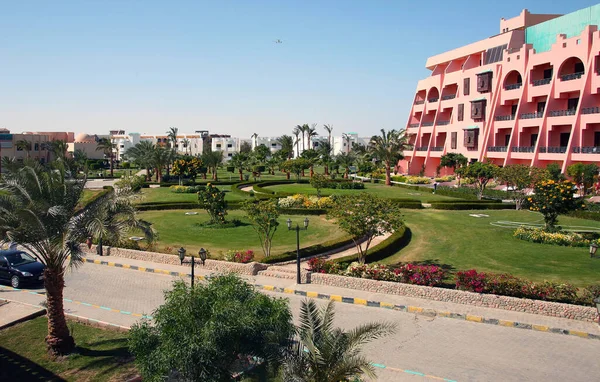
472 206
308 251
585 215
386 248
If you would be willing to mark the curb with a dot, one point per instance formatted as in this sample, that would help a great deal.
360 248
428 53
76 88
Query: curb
376 304
31 316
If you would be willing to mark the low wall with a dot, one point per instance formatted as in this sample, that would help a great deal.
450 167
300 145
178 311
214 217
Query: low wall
214 265
546 308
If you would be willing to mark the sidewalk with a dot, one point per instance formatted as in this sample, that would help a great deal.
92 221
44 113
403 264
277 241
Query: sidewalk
410 304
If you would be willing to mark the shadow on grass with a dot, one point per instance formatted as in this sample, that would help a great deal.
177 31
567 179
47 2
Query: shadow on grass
14 367
107 360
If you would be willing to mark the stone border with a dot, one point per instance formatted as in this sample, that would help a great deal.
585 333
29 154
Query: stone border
546 308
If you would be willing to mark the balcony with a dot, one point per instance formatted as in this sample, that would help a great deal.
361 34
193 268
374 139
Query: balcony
437 148
553 149
432 100
513 86
447 97
561 113
413 125
543 81
531 115
443 123
586 150
420 102
572 76
497 149
427 124
509 117
421 148
590 110
522 149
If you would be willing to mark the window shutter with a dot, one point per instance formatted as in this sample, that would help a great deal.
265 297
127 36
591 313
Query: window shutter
484 82
453 139
478 109
466 83
461 111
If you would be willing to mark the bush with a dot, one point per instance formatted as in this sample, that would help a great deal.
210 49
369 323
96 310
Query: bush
386 248
445 178
320 265
472 206
539 235
429 275
417 180
585 215
471 281
313 250
304 201
185 189
239 256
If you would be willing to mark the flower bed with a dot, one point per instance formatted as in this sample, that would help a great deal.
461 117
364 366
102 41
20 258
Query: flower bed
445 178
304 201
539 235
239 256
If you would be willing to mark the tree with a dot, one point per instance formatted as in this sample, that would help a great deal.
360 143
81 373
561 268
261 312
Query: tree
261 153
160 158
172 136
583 176
552 198
179 168
325 156
141 154
287 145
296 166
310 133
555 172
303 129
59 149
263 216
186 146
329 129
213 159
200 333
453 161
388 148
319 181
240 162
23 145
80 161
245 147
323 353
482 172
311 156
347 138
345 160
40 212
519 178
213 201
297 131
365 216
106 146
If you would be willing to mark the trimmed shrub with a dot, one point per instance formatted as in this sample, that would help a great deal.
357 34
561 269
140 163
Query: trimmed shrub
470 281
429 275
417 180
388 247
472 206
585 215
445 178
308 251
539 235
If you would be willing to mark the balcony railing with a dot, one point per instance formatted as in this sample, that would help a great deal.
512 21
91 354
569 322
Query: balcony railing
522 149
437 148
497 149
427 124
420 102
447 97
513 86
413 125
544 81
590 110
421 148
587 150
561 113
509 117
553 149
571 77
433 99
443 123
532 115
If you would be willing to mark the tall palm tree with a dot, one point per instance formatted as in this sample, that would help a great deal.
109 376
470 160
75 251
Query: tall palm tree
329 129
324 353
172 136
23 145
80 160
141 154
161 157
287 145
186 145
213 159
345 160
312 156
106 146
325 157
297 131
40 212
59 149
240 162
388 148
310 133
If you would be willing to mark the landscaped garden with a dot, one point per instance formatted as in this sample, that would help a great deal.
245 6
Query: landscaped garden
168 195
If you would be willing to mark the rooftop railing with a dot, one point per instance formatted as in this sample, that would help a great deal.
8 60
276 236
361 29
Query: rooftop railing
497 149
561 113
553 149
586 150
531 115
427 124
590 110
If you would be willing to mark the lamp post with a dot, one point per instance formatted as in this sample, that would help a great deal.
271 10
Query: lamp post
202 253
297 228
181 251
593 249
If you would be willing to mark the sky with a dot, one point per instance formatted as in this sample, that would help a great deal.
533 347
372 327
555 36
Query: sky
145 66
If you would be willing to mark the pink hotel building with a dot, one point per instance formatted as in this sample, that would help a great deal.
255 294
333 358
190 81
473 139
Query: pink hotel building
528 95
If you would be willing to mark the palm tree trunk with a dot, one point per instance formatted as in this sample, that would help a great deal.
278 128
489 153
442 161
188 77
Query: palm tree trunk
388 180
111 164
346 173
241 174
58 341
326 170
302 172
287 175
215 176
312 171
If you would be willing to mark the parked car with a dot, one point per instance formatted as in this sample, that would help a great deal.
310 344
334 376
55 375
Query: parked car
20 268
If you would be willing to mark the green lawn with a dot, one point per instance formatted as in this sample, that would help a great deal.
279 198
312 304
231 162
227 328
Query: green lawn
373 188
164 194
87 196
454 238
101 355
175 229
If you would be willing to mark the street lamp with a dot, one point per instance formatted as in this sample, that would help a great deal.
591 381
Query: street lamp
202 253
593 249
181 251
297 228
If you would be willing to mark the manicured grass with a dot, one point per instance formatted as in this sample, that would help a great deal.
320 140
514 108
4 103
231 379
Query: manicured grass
101 355
456 239
164 194
373 188
87 196
175 229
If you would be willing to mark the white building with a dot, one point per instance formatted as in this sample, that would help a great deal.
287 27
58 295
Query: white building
226 144
187 144
272 143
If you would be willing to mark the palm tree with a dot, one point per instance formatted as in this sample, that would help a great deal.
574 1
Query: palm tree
172 136
80 161
59 149
23 145
40 213
329 129
312 156
141 154
345 160
186 145
310 133
324 353
287 145
297 131
347 139
106 146
239 161
213 159
325 158
161 157
388 148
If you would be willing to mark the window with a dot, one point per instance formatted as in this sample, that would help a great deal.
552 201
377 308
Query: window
453 139
471 138
579 68
572 103
36 147
484 82
3 263
596 138
466 84
478 109
273 144
533 139
230 155
547 73
506 139
122 146
541 106
513 110
218 145
461 111
229 145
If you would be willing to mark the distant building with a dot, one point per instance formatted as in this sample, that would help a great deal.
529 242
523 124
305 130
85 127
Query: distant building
39 144
88 144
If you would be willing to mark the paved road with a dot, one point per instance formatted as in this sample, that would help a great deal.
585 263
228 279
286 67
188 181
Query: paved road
437 347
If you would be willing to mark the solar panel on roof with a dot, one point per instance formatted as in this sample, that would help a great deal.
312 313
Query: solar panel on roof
494 54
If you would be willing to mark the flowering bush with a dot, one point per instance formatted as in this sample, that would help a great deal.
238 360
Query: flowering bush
430 275
239 256
417 180
304 201
471 281
445 178
552 198
539 235
370 271
184 189
319 265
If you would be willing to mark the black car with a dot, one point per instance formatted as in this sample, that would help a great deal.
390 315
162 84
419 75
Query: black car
20 268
